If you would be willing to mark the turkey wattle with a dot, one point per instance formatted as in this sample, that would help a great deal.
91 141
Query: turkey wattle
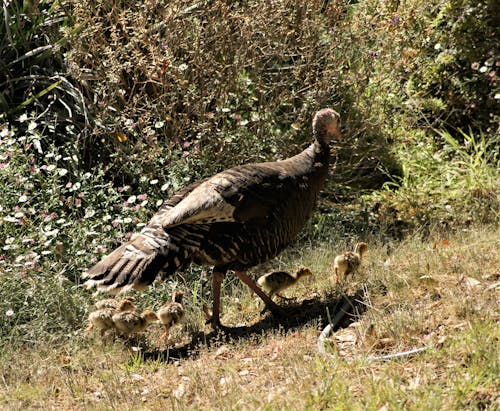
234 220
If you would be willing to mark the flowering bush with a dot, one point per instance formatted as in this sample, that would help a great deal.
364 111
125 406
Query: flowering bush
56 220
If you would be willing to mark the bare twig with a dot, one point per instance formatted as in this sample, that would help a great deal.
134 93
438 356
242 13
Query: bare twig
344 309
328 330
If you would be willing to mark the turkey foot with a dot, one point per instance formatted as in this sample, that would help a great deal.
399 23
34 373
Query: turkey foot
285 298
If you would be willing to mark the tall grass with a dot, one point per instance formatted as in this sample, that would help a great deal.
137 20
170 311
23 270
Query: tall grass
444 181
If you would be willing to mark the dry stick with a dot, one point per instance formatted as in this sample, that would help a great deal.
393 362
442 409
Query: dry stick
328 329
398 354
338 317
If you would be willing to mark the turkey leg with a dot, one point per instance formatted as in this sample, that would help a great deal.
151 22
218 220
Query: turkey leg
242 275
217 277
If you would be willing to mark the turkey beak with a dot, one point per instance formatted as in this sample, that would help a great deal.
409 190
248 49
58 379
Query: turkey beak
339 135
334 131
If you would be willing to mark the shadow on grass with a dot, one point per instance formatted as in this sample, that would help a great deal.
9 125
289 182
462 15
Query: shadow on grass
293 316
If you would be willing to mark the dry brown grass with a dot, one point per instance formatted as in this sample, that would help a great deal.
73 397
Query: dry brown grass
441 293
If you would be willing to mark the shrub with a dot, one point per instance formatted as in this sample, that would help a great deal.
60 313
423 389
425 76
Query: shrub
187 91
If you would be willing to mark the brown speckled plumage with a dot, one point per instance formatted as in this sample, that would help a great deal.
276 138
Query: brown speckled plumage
277 281
102 318
234 220
348 262
131 322
171 313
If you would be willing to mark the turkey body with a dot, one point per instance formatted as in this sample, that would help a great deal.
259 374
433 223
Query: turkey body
171 313
129 322
102 318
234 220
349 261
277 281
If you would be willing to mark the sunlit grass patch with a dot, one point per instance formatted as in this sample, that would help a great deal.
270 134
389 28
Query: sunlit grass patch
440 293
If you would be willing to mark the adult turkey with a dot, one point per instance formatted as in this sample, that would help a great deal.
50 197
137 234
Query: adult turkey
234 220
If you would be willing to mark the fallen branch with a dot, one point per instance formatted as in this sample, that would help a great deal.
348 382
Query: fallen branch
328 330
344 309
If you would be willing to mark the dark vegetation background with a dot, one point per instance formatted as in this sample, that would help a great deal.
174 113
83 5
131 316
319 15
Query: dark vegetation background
108 107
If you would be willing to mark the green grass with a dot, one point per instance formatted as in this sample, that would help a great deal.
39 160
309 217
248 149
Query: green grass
440 293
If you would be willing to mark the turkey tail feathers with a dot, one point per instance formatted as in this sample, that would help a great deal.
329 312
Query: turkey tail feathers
135 265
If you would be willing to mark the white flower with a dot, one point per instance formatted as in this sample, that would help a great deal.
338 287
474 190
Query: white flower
183 67
32 125
164 186
153 182
62 172
89 212
37 145
9 312
52 167
53 232
159 203
483 69
22 118
23 198
159 124
4 132
131 199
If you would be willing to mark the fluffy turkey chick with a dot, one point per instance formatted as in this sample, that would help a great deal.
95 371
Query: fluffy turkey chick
348 262
171 313
103 317
132 322
277 281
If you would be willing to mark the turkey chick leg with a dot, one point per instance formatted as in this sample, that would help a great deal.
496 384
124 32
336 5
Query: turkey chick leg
242 275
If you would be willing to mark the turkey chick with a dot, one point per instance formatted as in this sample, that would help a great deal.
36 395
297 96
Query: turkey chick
349 261
171 313
132 323
277 281
102 318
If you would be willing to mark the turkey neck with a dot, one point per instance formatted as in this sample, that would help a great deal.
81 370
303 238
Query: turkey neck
312 162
